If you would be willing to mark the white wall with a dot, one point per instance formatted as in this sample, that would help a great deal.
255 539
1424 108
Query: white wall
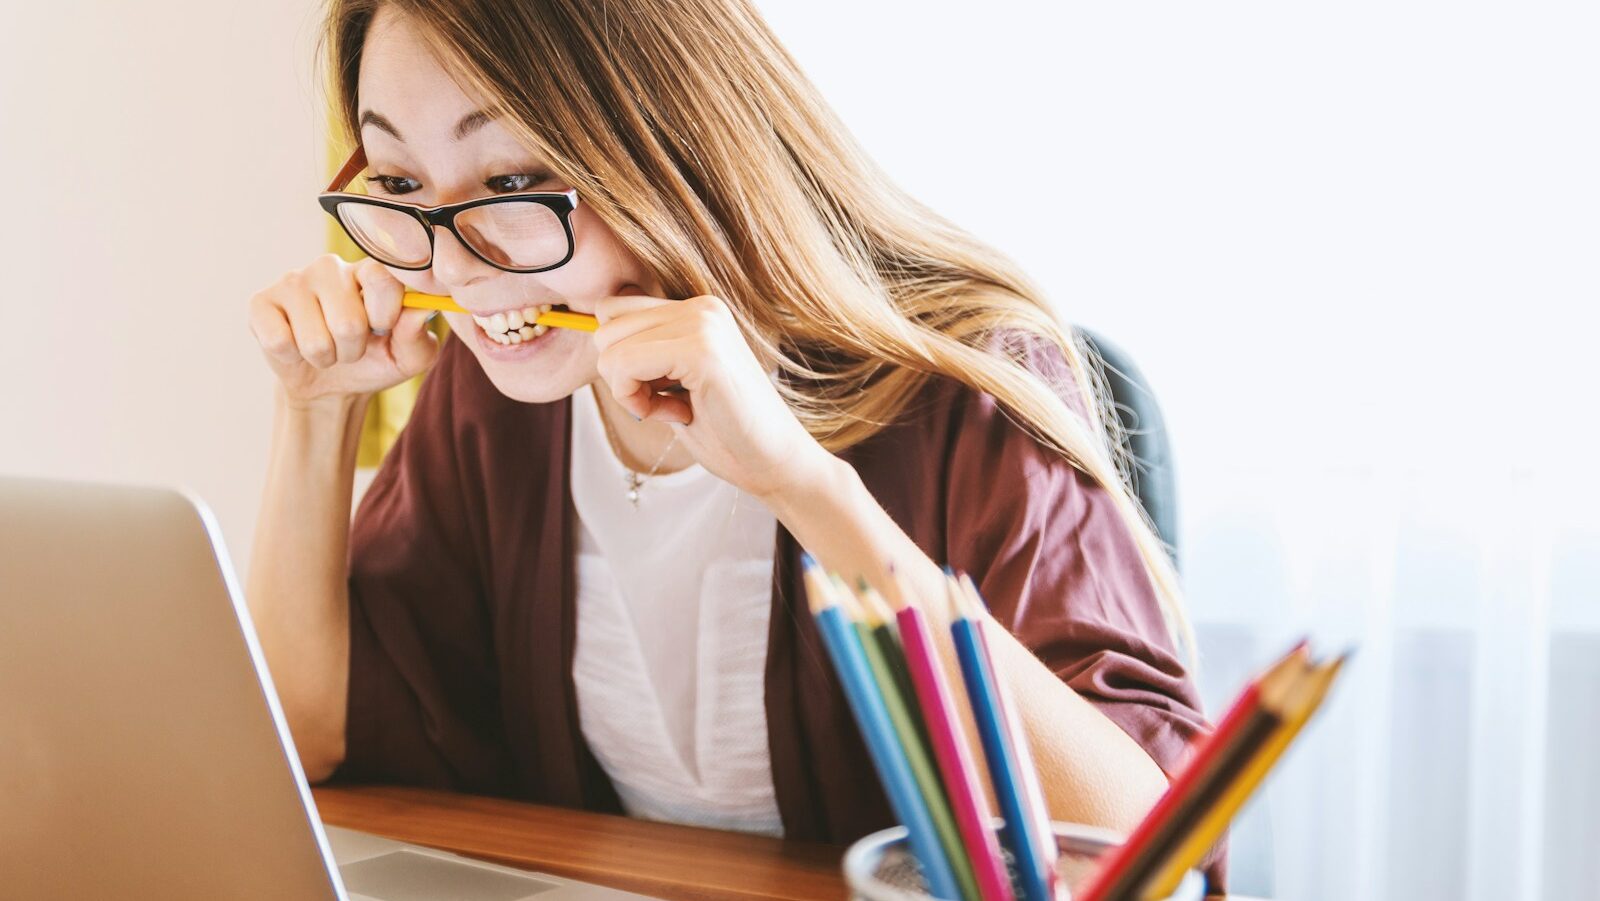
160 164
1317 226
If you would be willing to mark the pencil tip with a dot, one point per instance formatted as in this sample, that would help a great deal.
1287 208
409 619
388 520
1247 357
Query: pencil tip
807 561
976 605
948 571
956 596
861 584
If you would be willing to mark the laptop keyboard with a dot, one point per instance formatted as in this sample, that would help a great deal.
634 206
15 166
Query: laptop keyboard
409 876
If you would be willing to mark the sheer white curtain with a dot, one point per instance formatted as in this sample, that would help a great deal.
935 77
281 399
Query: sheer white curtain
1458 757
1354 247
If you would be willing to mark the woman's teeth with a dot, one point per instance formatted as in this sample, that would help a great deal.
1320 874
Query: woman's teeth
514 326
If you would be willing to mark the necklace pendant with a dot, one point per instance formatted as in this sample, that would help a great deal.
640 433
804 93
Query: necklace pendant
634 482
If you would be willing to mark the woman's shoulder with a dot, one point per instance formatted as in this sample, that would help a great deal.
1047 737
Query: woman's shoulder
955 447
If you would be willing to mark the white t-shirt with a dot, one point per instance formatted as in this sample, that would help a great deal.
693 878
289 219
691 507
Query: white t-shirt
673 603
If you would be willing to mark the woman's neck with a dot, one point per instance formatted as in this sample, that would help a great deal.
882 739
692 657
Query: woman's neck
639 444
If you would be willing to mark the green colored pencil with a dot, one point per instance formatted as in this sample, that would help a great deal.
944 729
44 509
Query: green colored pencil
887 661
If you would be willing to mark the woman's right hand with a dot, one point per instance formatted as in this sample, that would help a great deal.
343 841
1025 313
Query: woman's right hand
336 329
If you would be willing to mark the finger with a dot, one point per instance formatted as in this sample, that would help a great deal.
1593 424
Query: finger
668 316
381 294
311 337
413 346
704 315
270 326
609 308
673 407
342 311
632 369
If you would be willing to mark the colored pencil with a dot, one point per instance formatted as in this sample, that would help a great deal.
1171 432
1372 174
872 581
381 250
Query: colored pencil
950 749
1268 718
1308 696
1005 747
888 663
889 758
878 617
898 691
582 322
1119 868
1215 782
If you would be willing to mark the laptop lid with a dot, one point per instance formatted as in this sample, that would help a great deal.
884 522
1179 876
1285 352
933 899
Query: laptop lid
142 749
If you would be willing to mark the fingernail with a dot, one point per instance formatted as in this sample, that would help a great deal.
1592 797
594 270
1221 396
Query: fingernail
380 332
430 316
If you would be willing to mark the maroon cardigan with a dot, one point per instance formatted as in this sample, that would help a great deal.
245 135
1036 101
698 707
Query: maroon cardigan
462 623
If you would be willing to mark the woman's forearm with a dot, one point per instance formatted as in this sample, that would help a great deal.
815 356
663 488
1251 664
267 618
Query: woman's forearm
297 589
1091 770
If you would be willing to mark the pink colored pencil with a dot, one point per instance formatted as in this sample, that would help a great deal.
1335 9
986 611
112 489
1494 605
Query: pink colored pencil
961 780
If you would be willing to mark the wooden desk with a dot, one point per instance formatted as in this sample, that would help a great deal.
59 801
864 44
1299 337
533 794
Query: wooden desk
674 862
639 856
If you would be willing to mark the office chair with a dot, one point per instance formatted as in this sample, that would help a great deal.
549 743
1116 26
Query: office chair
1144 437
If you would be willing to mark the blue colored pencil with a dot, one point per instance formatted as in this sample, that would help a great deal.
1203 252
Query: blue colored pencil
1016 786
888 757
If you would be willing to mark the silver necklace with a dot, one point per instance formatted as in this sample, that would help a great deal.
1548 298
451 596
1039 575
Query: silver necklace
633 480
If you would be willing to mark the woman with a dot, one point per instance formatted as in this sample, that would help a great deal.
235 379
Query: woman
569 585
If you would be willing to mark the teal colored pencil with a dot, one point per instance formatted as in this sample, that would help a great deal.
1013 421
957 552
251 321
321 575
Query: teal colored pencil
849 658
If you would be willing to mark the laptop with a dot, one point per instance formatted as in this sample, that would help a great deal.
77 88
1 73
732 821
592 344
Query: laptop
143 753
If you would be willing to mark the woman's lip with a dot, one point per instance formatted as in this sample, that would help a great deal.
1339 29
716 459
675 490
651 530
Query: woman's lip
497 351
523 307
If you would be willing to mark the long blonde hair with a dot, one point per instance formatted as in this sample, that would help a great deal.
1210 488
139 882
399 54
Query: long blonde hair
693 134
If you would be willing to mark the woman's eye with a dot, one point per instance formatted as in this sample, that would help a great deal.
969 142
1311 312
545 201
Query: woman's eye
392 184
507 184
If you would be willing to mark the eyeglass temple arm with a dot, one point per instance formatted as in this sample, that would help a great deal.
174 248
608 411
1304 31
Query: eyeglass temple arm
356 163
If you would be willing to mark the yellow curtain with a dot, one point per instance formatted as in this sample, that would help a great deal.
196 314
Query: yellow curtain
389 409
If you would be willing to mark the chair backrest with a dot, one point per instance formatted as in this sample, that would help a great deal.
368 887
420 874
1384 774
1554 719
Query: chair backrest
1144 437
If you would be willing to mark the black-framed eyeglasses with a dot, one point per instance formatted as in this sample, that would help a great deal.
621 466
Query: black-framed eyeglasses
528 232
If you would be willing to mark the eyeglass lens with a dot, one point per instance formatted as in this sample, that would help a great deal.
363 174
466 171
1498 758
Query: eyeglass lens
517 234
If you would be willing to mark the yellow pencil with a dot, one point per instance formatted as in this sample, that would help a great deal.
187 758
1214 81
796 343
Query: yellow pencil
419 301
1307 698
582 322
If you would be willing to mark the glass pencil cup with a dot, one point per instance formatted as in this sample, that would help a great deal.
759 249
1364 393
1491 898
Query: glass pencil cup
879 867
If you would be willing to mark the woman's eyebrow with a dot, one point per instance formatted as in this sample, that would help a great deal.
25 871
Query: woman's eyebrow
469 123
379 122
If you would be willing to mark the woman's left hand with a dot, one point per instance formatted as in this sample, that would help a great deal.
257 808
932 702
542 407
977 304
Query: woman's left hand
729 414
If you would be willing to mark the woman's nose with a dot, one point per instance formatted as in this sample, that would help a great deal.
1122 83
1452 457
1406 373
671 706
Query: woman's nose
453 263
